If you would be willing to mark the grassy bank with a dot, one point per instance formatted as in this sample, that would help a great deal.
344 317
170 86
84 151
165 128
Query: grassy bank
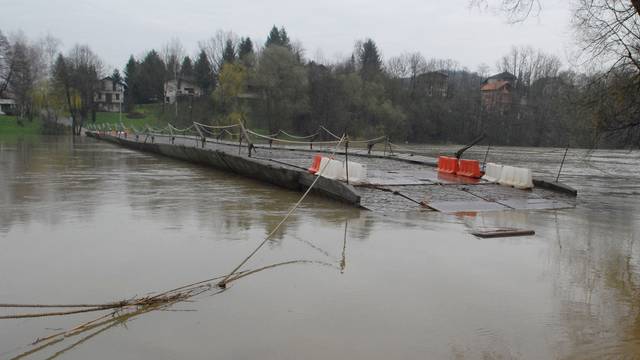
9 125
148 115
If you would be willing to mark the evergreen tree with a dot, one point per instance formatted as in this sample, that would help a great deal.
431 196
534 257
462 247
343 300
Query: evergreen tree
278 37
186 69
246 54
132 91
284 38
229 53
370 61
273 38
116 77
203 72
152 75
245 48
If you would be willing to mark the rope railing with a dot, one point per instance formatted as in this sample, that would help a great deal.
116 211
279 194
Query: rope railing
226 279
289 141
370 141
216 126
219 134
298 137
173 128
200 132
329 132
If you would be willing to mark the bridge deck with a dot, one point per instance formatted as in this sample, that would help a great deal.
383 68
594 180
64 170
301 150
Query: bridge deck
398 182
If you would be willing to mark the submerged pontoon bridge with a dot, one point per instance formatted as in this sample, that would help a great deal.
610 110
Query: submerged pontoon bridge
395 181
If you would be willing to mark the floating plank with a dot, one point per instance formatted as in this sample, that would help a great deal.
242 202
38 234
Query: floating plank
465 206
504 232
555 186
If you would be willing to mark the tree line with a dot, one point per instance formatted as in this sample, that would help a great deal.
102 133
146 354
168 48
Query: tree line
273 86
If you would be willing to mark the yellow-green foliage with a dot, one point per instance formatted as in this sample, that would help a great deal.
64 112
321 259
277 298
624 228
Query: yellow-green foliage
231 83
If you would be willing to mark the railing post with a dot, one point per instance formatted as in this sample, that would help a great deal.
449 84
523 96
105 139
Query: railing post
562 163
346 157
202 137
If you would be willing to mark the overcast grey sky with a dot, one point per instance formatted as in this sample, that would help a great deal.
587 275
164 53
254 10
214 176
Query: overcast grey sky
115 29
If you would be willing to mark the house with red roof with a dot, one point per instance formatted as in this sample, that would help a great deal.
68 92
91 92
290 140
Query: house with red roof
497 92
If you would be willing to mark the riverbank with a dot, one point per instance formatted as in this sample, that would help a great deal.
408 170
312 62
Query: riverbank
143 115
9 125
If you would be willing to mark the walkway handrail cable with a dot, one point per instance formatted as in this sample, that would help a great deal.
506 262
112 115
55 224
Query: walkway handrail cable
289 141
216 126
329 132
299 137
223 282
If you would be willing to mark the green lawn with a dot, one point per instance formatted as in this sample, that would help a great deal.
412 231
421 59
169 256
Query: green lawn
9 126
114 118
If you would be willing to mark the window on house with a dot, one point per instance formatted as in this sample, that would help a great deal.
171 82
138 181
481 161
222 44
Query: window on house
117 96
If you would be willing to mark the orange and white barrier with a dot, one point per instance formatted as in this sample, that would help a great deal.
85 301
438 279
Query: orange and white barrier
448 165
315 166
492 172
469 168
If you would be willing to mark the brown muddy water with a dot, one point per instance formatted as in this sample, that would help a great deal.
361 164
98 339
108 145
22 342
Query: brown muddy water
86 221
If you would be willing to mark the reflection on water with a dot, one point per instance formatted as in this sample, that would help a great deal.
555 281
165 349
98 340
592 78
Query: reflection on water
85 221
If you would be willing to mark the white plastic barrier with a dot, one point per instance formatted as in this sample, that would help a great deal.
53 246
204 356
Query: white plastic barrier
331 169
357 173
520 178
335 169
492 172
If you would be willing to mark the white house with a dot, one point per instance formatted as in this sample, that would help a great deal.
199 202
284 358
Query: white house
7 106
110 97
180 87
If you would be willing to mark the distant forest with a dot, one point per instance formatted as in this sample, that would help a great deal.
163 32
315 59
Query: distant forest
408 97
526 99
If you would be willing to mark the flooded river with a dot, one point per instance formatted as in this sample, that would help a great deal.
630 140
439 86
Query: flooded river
83 221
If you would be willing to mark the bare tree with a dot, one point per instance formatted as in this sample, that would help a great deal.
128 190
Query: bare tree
6 65
26 70
172 54
599 22
214 47
609 30
516 10
49 48
529 65
78 75
397 67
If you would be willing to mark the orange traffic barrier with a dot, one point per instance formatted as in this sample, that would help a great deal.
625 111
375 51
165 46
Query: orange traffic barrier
447 165
315 166
469 168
